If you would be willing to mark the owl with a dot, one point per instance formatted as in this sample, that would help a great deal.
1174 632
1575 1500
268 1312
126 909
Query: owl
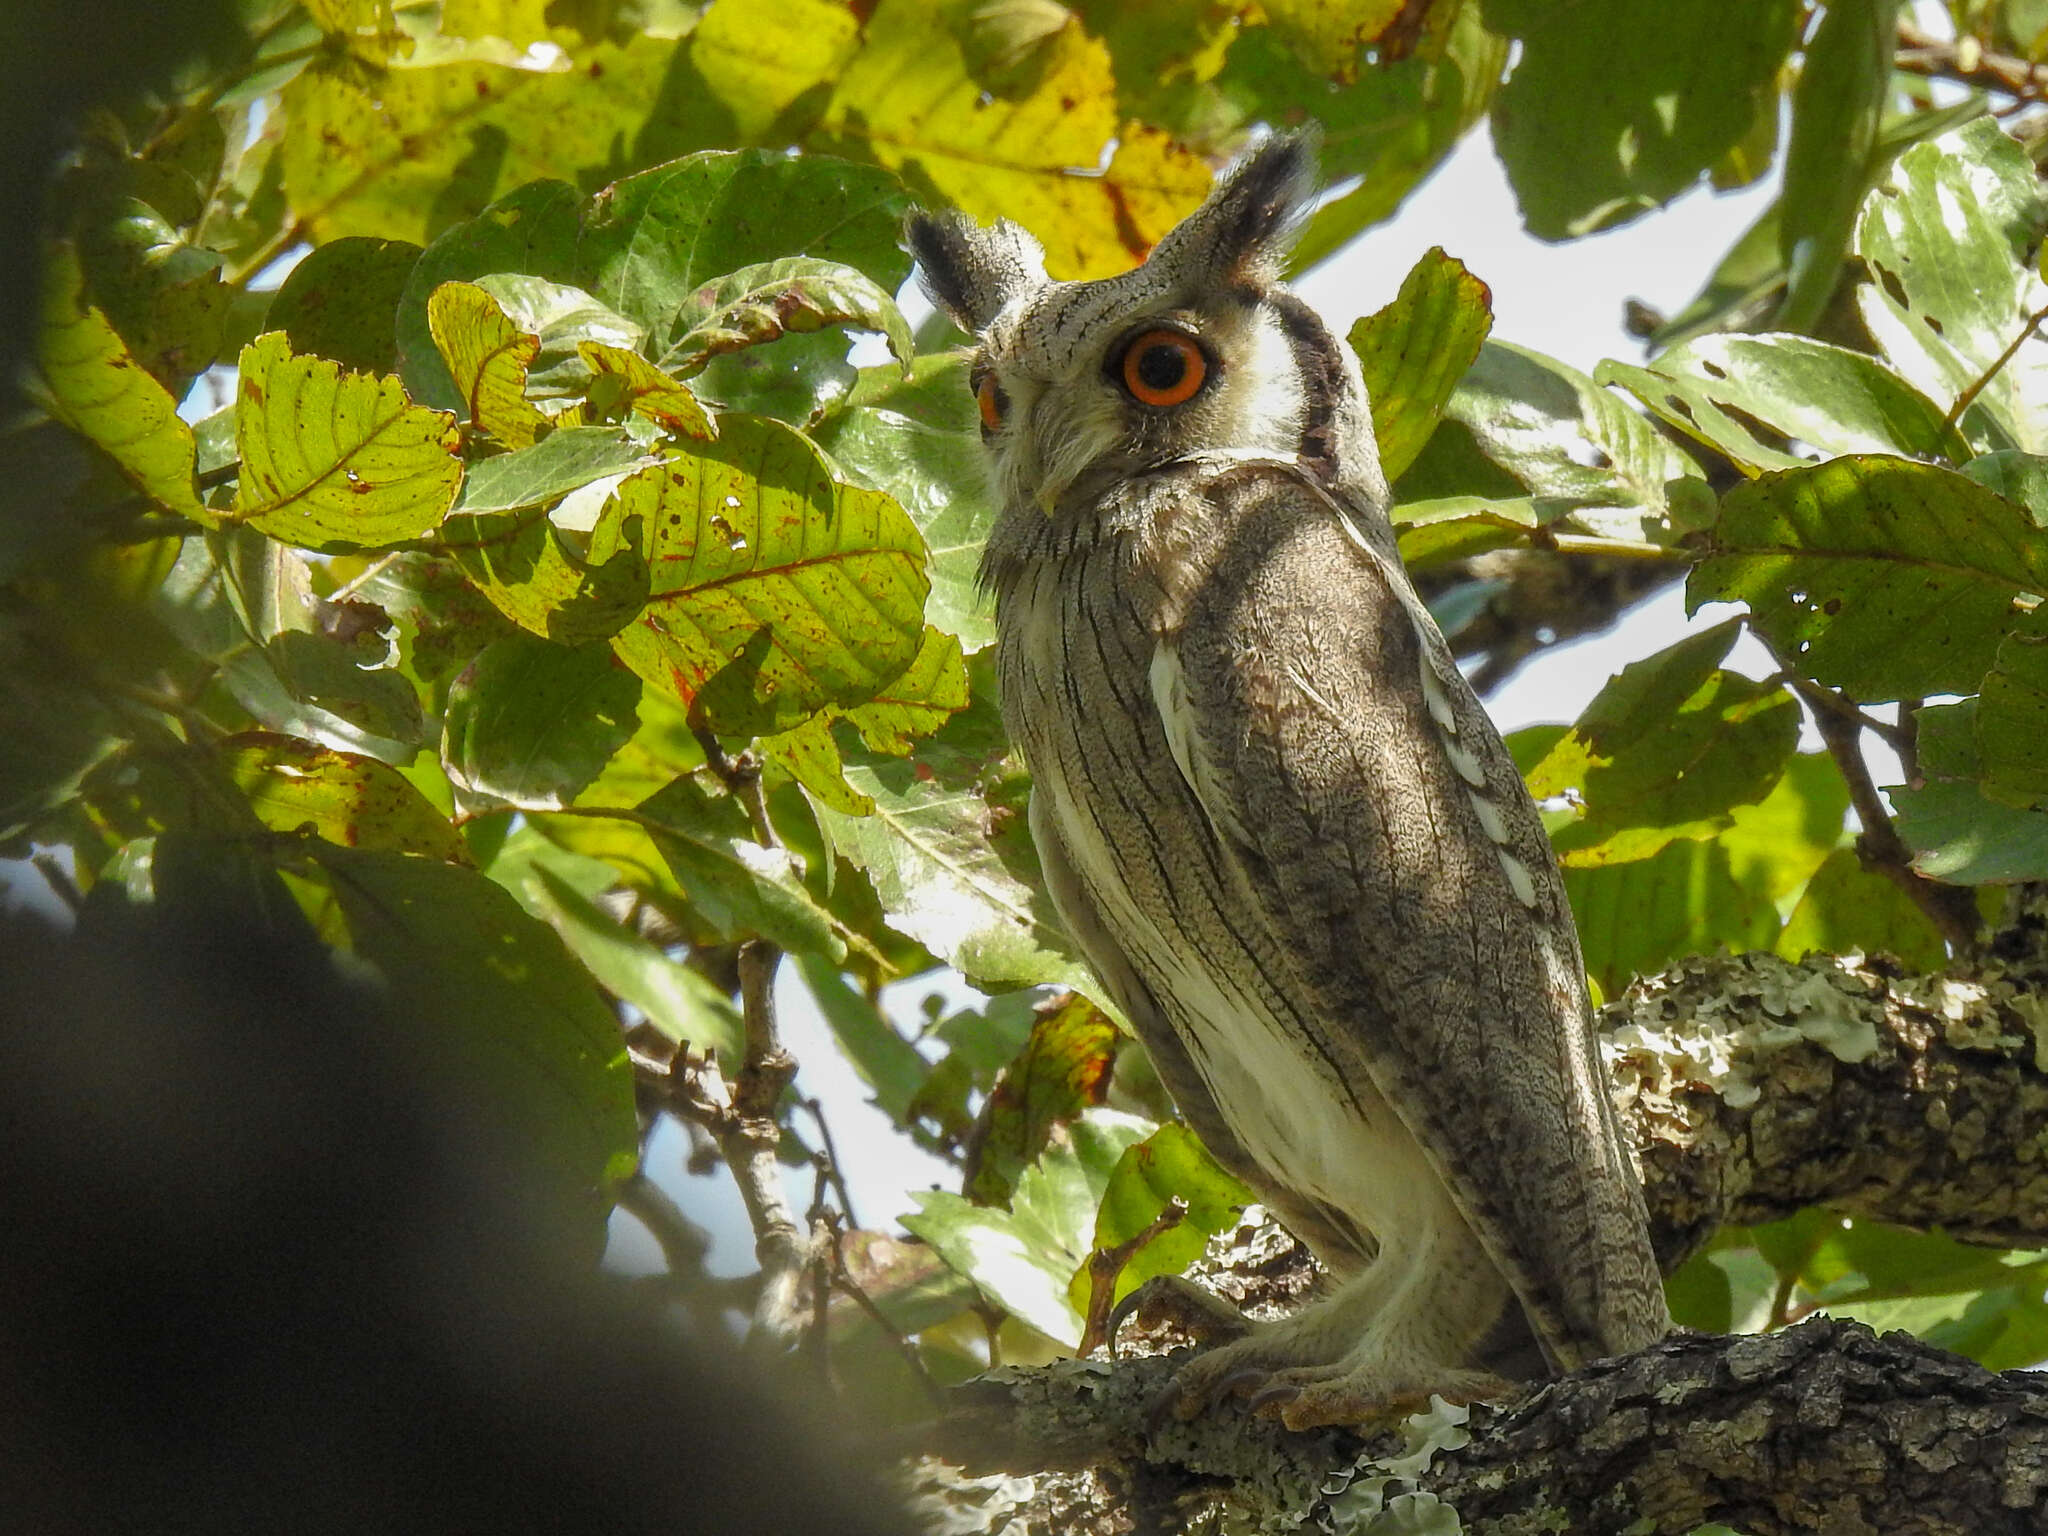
1277 820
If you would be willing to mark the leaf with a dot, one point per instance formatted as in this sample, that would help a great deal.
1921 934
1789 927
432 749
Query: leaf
1887 578
1949 237
487 357
319 670
348 799
163 295
1023 1258
341 302
565 460
1956 832
684 1005
1635 919
1777 845
738 887
919 440
1846 908
531 723
645 389
1838 106
1723 389
1062 1070
1414 351
775 591
98 388
791 295
502 1009
337 460
885 1061
1565 438
1605 118
1665 751
1170 1164
564 587
654 239
910 102
950 856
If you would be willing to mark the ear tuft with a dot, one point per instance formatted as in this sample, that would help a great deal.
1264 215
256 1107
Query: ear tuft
1249 223
971 272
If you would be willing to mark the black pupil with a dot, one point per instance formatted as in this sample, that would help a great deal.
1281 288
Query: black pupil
1162 366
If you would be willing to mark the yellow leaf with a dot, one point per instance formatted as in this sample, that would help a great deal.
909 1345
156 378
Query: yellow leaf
487 356
653 393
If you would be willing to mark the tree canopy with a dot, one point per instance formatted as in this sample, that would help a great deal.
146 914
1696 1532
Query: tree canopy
556 621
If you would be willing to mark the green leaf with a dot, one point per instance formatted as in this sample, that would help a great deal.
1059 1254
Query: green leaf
334 460
950 856
919 440
644 389
487 357
1845 81
763 302
776 590
566 587
55 734
501 1006
96 386
1883 577
1567 439
1957 833
1723 389
886 1062
1170 1164
1846 908
1738 293
322 671
342 301
1414 352
1777 845
348 799
1635 919
1605 117
531 723
163 296
654 239
738 887
683 1004
1023 1258
1949 236
566 459
1062 1069
1665 751
2012 717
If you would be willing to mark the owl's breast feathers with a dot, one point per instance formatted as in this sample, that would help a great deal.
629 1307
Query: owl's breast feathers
1288 819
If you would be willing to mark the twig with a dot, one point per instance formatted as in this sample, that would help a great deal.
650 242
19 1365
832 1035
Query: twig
1968 62
843 1281
742 776
1826 698
682 1242
1590 544
1969 396
52 869
828 1161
1105 1264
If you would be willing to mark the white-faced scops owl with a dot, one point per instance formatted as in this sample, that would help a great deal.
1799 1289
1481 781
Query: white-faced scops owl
1277 821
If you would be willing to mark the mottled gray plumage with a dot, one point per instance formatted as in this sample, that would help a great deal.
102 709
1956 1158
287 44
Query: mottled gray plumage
1278 821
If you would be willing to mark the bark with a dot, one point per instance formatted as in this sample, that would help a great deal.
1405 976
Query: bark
1754 1088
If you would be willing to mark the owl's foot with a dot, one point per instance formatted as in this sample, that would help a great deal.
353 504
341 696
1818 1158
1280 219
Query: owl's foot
1365 1388
1173 1300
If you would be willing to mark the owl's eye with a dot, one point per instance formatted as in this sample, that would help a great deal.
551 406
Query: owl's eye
1164 368
988 394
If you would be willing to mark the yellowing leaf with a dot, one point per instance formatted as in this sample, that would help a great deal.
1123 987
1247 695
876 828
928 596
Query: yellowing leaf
757 59
337 460
98 388
487 356
648 391
1328 34
774 590
355 801
909 98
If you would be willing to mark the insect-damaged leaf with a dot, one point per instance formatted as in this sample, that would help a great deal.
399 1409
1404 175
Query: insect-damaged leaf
1063 1068
774 591
336 460
1887 578
488 357
772 299
354 801
563 586
644 389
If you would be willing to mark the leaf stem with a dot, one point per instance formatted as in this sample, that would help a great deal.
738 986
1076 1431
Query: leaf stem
1969 396
1591 544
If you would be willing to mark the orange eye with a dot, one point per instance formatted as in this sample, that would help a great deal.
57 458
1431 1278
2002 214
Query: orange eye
1164 368
988 394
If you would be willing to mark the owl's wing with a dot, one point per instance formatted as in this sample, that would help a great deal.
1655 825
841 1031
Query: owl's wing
1176 1069
1376 823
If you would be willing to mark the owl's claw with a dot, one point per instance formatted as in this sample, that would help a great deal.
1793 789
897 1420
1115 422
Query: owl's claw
1183 1400
1202 1315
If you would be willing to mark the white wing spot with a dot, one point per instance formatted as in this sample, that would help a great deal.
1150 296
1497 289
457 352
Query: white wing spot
1467 764
1170 697
1519 879
1433 695
1489 819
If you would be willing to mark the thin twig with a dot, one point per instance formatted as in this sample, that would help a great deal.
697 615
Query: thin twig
1968 397
682 1242
828 1161
742 776
843 1281
1591 544
1967 62
52 869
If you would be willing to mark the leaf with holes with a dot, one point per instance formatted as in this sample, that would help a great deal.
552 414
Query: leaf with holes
1414 351
774 590
1746 395
354 801
1881 576
487 357
335 460
623 377
1949 237
789 296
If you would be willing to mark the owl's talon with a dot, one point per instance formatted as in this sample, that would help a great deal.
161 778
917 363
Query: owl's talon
1273 1395
1202 1315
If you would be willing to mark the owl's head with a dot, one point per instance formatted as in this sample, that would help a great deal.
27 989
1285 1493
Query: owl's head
1199 350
